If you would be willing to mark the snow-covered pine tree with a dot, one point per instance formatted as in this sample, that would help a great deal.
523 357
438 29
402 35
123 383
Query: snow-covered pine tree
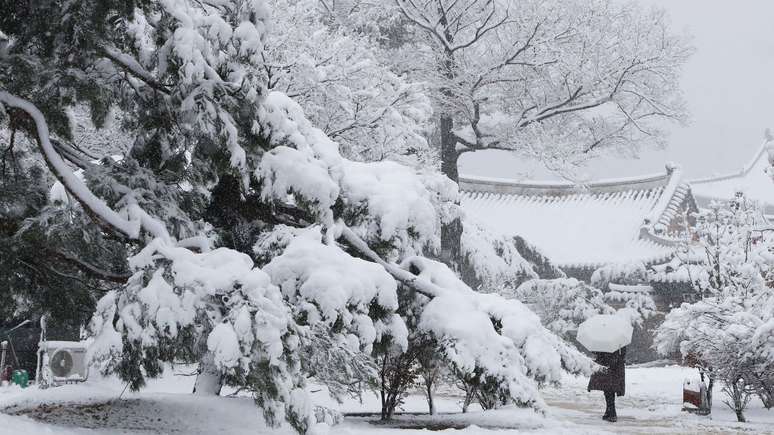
217 161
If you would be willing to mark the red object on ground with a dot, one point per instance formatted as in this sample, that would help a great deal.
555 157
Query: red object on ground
5 375
692 397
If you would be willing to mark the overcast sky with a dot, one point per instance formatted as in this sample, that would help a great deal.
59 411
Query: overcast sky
728 84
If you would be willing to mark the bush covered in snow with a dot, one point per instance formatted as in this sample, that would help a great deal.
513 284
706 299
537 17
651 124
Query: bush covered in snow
563 303
627 273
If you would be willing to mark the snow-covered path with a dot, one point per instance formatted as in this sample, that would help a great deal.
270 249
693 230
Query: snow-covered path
651 406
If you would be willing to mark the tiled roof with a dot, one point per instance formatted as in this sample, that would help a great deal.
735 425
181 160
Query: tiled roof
614 221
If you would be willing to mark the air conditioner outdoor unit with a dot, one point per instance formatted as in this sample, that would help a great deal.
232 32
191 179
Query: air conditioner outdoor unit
62 362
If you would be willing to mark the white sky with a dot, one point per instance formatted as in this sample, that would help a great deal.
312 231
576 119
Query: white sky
728 84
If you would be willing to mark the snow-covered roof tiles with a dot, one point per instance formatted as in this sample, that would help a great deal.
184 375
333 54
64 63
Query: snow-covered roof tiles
751 179
613 221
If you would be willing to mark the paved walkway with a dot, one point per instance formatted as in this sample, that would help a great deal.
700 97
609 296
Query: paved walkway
645 416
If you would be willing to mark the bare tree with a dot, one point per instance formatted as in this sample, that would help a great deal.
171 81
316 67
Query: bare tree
558 81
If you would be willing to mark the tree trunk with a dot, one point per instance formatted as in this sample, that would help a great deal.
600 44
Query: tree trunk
429 380
710 386
390 391
430 403
470 387
209 381
449 154
469 396
738 399
451 232
383 389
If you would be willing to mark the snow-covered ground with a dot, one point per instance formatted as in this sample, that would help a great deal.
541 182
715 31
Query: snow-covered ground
651 405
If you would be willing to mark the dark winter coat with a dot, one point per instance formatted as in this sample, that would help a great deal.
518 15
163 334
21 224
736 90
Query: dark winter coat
613 378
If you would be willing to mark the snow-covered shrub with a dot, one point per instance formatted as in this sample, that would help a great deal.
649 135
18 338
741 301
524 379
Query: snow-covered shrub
627 273
492 263
563 303
638 306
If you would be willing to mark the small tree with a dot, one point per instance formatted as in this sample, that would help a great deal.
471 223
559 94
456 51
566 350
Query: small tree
397 373
722 333
431 369
469 384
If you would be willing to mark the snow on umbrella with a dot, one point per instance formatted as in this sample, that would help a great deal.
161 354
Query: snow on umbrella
605 333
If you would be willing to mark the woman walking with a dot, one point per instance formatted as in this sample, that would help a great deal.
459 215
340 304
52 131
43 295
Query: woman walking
611 380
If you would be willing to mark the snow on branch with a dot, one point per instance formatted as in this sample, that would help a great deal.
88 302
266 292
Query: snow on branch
420 286
482 331
75 186
130 65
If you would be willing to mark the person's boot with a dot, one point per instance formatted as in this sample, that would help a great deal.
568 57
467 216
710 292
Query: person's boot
612 418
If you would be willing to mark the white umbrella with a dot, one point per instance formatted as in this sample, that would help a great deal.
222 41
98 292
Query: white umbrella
605 333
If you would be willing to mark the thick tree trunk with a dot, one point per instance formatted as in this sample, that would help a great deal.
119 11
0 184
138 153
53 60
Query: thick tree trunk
209 381
449 154
451 232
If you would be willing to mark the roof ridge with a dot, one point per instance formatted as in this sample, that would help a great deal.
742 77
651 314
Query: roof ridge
746 169
666 207
510 186
562 183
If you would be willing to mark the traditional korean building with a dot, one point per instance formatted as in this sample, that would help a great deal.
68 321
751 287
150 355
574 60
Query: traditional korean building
639 220
582 228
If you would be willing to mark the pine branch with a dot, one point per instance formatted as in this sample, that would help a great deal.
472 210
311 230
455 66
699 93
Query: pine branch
131 66
95 207
92 269
420 285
